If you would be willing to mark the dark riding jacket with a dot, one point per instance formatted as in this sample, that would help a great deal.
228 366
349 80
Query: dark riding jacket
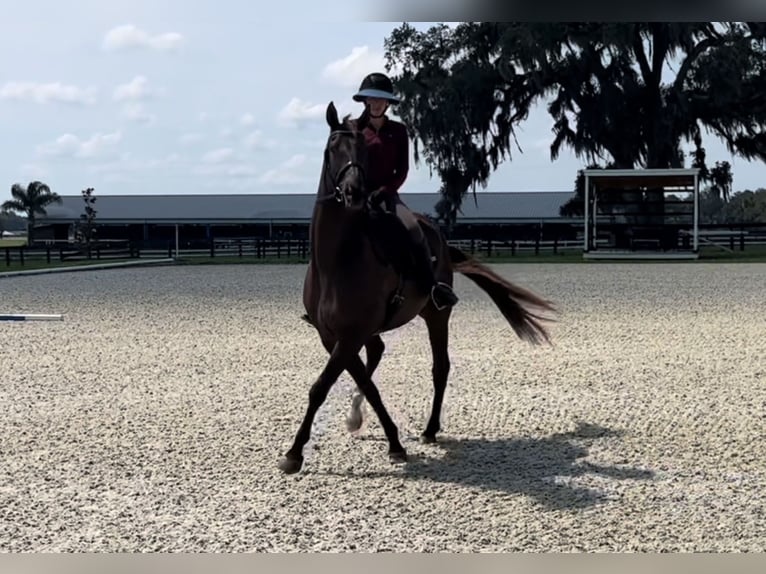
389 156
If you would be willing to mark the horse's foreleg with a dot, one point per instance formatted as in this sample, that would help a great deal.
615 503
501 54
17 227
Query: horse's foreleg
375 348
438 335
339 359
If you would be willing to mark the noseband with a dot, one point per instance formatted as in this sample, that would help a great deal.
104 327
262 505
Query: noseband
337 178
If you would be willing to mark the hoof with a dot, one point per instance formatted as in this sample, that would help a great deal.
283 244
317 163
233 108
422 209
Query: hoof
428 439
397 457
290 465
354 423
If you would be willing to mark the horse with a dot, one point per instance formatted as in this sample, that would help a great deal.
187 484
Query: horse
354 291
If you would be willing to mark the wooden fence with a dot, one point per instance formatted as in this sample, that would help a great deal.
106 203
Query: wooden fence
298 249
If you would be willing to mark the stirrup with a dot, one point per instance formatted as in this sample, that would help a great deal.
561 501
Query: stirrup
433 298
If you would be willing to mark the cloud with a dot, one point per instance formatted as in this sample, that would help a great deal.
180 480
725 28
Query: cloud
129 36
126 164
297 112
241 170
69 145
47 93
136 89
190 138
349 71
247 119
238 170
136 112
256 140
33 171
287 173
218 155
133 93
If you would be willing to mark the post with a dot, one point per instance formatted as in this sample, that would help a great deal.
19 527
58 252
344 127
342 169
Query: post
695 244
594 215
176 241
586 237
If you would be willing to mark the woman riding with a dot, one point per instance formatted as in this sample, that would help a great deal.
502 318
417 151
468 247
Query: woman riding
388 153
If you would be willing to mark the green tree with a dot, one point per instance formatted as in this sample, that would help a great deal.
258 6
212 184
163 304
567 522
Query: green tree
746 207
85 229
711 206
467 89
31 201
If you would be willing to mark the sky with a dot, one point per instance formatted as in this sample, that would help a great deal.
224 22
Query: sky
179 97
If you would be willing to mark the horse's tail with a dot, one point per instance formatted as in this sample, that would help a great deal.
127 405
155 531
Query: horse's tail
512 300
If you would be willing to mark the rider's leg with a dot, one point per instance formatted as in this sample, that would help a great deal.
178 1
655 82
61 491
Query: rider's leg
441 293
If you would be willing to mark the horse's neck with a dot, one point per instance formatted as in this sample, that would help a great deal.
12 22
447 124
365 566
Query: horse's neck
335 235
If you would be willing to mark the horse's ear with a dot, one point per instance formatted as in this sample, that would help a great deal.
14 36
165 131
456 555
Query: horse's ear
332 116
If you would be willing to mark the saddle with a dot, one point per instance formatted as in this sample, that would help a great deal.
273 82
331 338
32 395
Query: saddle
392 245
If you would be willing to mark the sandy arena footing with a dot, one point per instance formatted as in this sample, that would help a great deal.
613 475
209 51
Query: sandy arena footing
153 417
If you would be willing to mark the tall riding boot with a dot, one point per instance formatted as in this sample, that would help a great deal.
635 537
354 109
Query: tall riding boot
441 294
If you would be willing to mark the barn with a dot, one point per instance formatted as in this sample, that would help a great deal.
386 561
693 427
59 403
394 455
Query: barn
154 219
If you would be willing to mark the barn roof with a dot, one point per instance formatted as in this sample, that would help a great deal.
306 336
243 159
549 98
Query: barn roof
492 206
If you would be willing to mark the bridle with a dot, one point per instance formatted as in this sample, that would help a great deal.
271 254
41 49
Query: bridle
336 179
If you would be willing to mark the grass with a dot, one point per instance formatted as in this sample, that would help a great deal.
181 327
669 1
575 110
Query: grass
751 255
754 254
36 264
13 242
236 260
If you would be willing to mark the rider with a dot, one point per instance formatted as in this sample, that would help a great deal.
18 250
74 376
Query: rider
388 153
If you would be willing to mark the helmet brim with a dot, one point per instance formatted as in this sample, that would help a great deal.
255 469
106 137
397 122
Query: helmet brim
361 95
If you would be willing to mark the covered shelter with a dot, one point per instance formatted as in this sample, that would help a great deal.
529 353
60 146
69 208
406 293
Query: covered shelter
641 214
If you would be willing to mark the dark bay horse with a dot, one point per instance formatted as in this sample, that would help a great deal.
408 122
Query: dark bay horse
352 294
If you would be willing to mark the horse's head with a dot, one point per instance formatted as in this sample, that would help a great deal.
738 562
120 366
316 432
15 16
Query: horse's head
345 159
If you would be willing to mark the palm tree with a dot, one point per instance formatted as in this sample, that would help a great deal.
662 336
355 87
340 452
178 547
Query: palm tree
32 201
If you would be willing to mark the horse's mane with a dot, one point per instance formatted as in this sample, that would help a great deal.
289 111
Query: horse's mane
352 124
348 123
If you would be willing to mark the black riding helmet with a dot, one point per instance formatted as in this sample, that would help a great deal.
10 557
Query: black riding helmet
376 85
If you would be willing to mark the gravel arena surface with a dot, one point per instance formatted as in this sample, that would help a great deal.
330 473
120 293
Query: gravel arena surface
153 417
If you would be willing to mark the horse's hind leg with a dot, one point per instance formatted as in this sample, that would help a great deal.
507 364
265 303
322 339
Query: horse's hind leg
375 348
358 371
437 323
